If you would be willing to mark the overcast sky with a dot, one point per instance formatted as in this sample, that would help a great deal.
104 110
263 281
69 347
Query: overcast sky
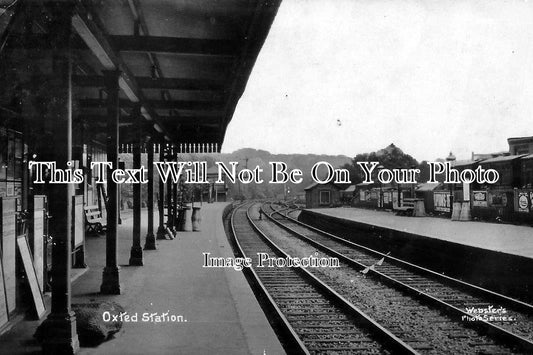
352 76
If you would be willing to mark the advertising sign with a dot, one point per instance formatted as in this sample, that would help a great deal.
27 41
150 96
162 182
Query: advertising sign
523 202
479 199
497 198
442 201
387 197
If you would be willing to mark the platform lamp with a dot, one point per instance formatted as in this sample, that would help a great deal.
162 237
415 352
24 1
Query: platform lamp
413 185
239 182
380 167
451 159
399 192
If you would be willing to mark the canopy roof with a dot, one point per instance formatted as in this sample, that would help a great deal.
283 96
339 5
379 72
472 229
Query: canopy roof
464 163
428 186
185 62
350 188
501 159
316 184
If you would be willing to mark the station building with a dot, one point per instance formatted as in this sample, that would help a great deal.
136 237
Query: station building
520 145
322 195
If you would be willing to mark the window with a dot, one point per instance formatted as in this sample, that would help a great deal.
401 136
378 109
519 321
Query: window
11 162
521 149
324 197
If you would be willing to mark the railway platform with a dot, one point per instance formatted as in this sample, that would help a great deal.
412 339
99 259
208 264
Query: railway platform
494 256
222 314
503 238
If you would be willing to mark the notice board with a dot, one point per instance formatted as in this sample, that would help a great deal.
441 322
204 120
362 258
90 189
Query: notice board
27 261
4 314
8 233
38 237
78 223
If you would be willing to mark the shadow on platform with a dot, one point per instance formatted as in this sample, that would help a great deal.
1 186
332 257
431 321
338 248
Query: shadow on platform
180 307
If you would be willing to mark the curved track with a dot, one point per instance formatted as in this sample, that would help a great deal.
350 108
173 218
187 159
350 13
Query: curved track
457 298
313 317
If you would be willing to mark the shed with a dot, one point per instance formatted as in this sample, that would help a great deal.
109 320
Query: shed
425 191
322 195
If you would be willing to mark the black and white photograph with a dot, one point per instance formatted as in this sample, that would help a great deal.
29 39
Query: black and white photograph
266 177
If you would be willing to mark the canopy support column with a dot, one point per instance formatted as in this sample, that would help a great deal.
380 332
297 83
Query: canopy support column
136 254
59 328
170 221
175 199
110 279
161 229
150 238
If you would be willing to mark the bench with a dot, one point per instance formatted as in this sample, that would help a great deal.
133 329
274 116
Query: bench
407 208
93 219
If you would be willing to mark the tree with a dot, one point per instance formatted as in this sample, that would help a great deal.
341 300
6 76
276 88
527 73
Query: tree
390 157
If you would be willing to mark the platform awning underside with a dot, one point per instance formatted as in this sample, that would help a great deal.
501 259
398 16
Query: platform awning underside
185 62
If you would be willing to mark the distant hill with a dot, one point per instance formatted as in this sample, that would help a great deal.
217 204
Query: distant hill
253 157
390 157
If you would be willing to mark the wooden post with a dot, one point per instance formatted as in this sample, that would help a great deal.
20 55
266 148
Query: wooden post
110 279
59 328
150 238
170 222
136 254
175 201
161 229
79 254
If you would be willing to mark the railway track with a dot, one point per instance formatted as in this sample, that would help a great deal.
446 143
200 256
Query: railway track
469 305
313 318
